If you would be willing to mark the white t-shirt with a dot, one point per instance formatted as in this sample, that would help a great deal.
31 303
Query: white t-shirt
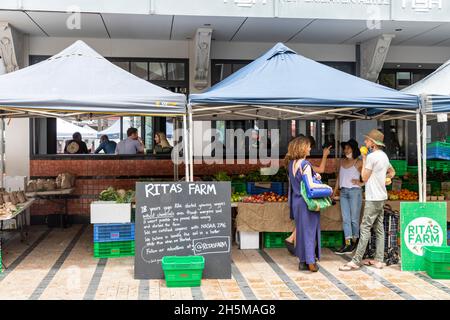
378 163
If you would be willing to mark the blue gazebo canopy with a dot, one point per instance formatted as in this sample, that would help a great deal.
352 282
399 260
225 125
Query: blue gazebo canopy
281 77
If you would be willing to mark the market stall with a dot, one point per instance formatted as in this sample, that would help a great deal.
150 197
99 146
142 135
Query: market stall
78 83
283 85
435 97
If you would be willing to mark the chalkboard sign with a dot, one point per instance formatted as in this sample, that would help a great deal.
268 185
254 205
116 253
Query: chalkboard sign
183 219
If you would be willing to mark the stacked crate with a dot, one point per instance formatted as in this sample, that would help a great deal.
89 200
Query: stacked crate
113 229
113 240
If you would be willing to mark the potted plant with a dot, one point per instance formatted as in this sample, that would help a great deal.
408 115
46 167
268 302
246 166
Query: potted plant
441 197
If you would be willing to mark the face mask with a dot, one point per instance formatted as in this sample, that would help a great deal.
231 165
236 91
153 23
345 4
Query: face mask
349 156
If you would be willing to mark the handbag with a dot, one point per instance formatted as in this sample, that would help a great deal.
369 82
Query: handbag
315 192
314 204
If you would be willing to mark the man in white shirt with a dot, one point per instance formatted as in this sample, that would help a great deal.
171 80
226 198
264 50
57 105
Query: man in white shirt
376 168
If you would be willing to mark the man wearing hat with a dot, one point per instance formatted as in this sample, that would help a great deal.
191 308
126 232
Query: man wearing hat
375 169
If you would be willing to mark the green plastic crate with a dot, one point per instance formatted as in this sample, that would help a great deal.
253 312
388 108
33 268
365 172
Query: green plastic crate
113 249
410 186
331 239
437 270
413 169
439 165
437 254
238 187
275 239
435 186
183 271
400 166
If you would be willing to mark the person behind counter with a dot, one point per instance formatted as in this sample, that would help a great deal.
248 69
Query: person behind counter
349 182
76 145
131 145
108 146
307 237
162 146
375 169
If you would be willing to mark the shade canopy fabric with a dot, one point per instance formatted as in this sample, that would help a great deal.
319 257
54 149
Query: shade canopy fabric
436 87
78 79
65 130
281 77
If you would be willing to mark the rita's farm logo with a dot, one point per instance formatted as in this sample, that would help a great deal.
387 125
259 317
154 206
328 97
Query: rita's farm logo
423 232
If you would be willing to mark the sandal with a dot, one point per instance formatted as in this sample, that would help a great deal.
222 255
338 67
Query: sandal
349 267
373 263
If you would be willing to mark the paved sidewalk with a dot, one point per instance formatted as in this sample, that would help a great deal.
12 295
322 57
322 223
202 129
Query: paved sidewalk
59 264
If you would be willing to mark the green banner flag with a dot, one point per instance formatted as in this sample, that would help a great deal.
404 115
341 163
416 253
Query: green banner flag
422 225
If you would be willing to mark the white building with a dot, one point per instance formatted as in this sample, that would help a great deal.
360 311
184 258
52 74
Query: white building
396 42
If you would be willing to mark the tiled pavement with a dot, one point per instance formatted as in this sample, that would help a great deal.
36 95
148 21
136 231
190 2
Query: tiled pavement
58 264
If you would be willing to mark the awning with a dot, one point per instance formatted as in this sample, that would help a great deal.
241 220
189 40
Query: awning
79 80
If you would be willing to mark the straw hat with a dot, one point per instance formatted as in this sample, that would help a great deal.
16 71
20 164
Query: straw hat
376 136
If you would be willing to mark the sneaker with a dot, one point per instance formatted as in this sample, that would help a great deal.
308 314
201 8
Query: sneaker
355 244
346 248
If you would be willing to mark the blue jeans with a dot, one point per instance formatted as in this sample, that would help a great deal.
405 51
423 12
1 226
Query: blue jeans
351 201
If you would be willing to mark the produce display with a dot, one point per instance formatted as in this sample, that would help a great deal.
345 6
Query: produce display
403 195
273 197
254 199
119 196
62 181
10 200
7 209
238 196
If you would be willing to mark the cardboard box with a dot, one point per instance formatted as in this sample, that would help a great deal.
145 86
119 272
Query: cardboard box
110 212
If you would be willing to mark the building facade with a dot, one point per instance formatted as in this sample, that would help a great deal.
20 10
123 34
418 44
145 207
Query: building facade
394 42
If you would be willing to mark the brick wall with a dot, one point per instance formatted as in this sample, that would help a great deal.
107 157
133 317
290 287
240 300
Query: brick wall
93 176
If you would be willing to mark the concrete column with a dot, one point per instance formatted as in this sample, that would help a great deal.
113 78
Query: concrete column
373 55
14 53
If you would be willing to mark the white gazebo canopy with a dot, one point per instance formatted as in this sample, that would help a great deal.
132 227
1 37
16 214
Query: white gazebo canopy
78 80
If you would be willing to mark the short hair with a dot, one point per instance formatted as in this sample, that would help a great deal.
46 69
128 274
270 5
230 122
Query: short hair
76 136
104 138
131 131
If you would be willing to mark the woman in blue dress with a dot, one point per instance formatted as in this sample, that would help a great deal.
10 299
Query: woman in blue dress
307 244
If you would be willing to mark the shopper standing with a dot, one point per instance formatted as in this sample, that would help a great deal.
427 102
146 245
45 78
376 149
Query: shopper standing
375 169
290 241
349 182
307 222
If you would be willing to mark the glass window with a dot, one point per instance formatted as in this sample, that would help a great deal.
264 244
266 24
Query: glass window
169 130
140 69
125 65
403 80
131 122
175 71
157 71
149 140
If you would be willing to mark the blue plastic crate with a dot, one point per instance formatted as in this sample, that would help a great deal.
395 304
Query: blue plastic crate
113 232
438 150
276 187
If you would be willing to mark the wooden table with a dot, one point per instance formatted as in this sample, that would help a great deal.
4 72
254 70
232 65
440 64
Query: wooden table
52 196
